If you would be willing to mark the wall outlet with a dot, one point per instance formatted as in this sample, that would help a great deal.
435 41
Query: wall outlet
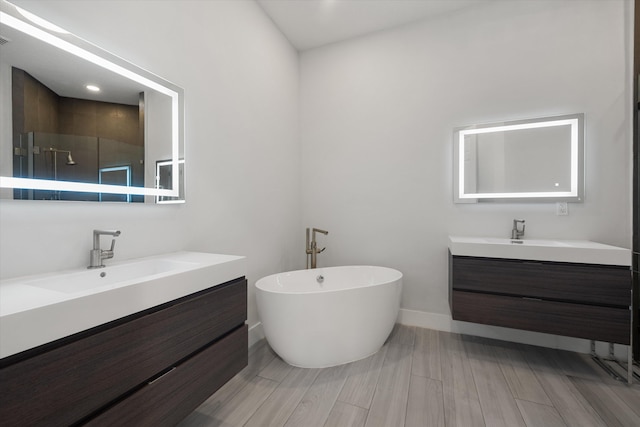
562 208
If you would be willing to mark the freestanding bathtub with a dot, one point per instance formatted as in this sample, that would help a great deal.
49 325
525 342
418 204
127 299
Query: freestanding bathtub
329 316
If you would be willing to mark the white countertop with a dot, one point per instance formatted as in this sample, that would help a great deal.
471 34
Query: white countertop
32 314
578 251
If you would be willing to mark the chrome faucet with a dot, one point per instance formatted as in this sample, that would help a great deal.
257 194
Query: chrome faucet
312 246
516 233
97 255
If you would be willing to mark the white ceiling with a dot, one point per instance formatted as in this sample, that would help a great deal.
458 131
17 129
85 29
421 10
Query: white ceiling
312 23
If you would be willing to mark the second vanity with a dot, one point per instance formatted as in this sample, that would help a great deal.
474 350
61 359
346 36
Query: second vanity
573 288
142 342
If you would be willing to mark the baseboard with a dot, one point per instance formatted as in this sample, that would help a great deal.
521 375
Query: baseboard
444 322
256 334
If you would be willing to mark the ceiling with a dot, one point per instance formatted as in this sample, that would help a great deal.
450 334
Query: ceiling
312 23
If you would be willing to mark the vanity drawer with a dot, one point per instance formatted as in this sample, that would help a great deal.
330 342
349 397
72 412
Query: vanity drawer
607 324
585 283
170 398
68 383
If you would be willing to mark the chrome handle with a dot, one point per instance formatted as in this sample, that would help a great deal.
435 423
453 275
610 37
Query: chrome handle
107 254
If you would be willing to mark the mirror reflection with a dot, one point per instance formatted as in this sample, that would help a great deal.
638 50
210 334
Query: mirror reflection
77 158
80 123
528 160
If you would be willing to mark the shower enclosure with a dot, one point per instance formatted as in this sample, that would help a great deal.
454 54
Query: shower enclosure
60 157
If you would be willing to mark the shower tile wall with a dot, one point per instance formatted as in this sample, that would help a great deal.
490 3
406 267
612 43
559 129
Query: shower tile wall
36 108
100 119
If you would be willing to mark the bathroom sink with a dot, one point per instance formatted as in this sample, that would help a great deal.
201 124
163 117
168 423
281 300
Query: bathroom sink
36 310
89 280
580 251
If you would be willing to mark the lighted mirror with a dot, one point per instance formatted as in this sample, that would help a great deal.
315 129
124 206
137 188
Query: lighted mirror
526 160
164 178
79 123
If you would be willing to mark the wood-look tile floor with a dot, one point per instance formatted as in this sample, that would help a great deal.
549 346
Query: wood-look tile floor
423 377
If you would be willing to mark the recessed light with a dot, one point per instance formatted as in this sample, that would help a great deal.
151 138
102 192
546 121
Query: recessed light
93 88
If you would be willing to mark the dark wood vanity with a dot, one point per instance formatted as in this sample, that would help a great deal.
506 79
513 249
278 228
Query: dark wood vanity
587 301
151 368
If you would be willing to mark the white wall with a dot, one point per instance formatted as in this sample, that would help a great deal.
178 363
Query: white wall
377 115
240 78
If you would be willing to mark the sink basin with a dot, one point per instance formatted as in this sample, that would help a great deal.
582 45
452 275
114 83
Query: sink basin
36 310
90 280
580 251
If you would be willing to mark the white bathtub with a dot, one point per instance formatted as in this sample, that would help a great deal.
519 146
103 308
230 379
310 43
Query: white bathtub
347 317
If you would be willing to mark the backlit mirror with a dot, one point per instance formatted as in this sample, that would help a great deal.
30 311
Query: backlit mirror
526 160
79 123
164 177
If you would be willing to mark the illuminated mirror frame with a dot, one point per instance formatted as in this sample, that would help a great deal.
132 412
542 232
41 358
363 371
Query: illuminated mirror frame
10 16
163 200
576 192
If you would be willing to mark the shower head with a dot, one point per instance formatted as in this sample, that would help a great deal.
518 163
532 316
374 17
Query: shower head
55 151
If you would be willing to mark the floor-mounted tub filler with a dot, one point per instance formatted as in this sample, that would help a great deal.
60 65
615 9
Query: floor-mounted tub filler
329 316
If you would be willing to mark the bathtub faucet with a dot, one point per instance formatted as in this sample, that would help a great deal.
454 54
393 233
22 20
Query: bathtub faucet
312 247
